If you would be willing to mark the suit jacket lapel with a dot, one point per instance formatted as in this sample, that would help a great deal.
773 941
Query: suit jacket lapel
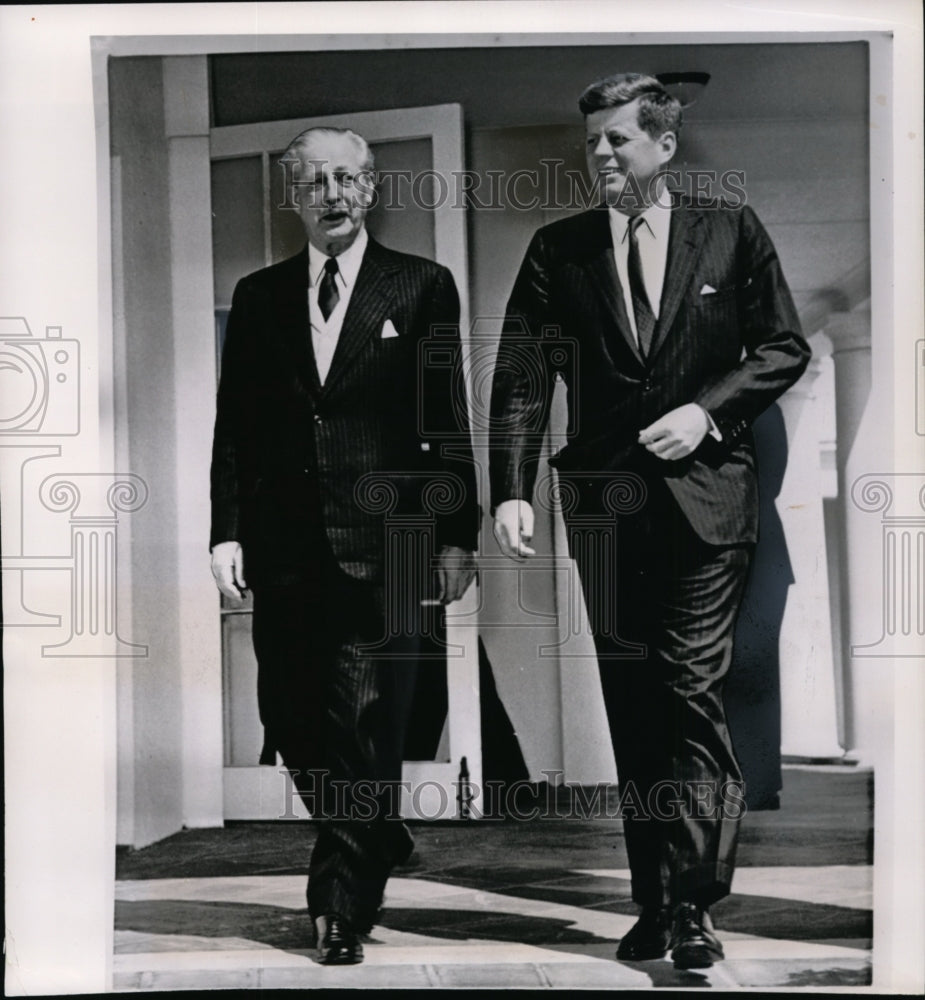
685 238
604 277
366 312
291 305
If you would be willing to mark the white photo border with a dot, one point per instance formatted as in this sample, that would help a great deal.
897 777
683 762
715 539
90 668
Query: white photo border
54 269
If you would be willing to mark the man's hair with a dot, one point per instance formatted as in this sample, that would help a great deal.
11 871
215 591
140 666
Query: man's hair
299 145
659 112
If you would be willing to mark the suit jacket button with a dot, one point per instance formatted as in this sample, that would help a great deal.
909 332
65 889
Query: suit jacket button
318 419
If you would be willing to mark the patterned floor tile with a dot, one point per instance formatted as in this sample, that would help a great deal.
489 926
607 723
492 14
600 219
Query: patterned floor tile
252 932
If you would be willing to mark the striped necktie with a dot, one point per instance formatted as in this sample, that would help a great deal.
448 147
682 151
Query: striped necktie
328 295
645 319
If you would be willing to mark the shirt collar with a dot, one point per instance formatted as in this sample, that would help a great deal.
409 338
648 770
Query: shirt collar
657 218
348 262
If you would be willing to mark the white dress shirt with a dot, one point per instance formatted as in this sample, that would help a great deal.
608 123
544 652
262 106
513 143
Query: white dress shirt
652 235
325 332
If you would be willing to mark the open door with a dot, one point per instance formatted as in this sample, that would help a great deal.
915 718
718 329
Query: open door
414 148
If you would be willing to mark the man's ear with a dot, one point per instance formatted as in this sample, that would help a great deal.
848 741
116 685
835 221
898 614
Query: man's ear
668 144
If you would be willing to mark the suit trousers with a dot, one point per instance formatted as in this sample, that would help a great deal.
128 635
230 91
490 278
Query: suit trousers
336 711
662 609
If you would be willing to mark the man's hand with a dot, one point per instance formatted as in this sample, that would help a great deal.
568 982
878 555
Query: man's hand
228 569
677 433
455 570
513 528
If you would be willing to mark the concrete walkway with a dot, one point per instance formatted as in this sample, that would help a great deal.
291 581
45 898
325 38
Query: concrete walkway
439 935
495 904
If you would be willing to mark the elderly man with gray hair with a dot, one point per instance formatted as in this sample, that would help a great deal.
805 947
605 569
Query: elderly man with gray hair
320 385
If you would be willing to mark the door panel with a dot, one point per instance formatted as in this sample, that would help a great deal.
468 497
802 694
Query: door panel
250 231
397 219
237 223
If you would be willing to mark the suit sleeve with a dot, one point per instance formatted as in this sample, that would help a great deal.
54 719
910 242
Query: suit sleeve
444 401
231 407
775 352
522 385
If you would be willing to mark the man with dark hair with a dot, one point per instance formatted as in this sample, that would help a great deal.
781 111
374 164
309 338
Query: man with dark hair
685 332
657 111
320 387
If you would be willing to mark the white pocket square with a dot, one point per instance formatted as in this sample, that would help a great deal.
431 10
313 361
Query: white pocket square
388 330
708 290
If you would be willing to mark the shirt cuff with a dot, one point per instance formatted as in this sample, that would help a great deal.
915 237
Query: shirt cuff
714 431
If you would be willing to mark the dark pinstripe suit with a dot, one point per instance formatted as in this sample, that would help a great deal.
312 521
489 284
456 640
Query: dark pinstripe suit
288 464
663 608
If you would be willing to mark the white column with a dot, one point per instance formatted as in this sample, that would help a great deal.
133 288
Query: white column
809 726
864 448
186 114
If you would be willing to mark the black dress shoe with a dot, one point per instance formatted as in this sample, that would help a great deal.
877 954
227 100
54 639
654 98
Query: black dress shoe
336 941
648 937
693 942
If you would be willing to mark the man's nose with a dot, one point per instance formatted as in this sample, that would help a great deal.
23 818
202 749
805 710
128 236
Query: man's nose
603 150
330 190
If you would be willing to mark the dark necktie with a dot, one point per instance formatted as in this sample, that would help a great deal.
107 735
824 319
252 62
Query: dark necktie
645 320
328 294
